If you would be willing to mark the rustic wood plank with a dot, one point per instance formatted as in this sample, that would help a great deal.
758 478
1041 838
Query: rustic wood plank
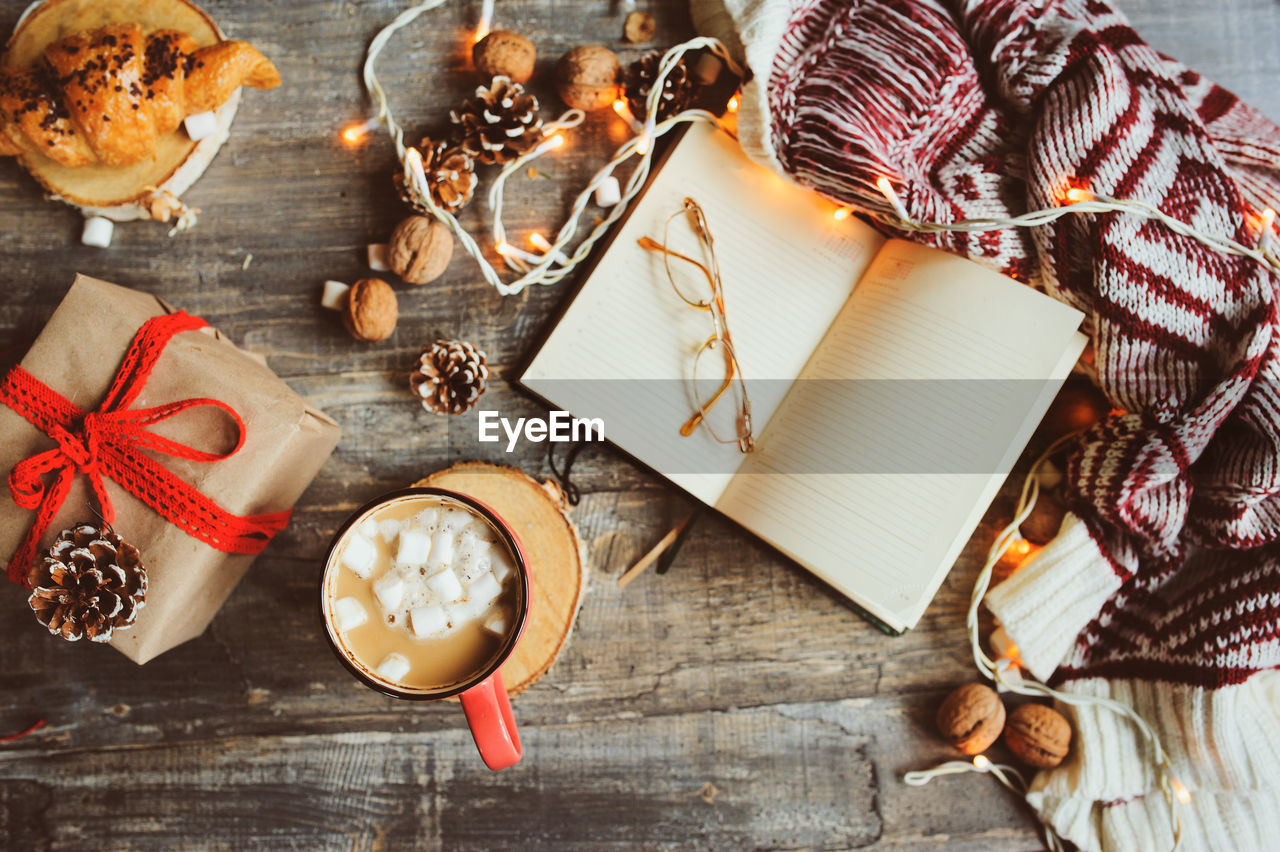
736 668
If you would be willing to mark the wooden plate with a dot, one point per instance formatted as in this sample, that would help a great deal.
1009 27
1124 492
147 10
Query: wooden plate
178 162
539 516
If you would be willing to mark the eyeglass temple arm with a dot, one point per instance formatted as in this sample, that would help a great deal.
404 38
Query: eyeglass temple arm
651 244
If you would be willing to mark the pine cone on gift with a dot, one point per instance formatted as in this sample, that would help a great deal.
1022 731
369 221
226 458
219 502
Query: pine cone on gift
499 124
678 91
89 583
451 177
451 376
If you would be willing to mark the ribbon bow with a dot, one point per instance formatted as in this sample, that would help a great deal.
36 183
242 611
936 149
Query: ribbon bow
109 443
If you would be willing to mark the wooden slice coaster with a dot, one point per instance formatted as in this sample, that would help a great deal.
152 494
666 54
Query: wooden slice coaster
539 515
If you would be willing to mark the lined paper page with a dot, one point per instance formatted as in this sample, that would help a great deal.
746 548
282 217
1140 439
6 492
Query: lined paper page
922 394
624 349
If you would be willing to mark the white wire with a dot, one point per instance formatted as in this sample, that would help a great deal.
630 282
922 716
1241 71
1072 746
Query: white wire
548 268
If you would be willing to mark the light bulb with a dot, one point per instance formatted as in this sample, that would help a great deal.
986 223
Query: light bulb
841 213
981 762
732 106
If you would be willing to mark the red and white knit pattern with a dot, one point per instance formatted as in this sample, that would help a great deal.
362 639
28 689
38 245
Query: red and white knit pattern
1163 588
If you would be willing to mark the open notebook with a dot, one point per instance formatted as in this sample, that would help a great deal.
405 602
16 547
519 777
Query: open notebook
892 386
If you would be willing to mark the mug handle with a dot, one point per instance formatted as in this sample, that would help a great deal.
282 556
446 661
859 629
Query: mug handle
488 709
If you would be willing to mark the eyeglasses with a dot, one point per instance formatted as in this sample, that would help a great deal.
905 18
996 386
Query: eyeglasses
716 372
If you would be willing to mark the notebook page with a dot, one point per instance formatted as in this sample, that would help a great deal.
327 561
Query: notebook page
624 349
898 433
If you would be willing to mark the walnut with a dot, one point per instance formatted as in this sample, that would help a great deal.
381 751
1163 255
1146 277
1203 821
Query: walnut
587 77
971 718
639 28
1037 735
503 53
420 249
371 310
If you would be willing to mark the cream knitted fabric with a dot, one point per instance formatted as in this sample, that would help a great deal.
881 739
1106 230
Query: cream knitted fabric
1163 588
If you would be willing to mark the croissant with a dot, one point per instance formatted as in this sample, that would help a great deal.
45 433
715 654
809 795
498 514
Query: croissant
107 96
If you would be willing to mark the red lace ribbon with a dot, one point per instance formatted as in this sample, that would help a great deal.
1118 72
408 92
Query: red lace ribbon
110 441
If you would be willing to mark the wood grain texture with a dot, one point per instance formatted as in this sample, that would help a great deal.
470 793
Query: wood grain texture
736 668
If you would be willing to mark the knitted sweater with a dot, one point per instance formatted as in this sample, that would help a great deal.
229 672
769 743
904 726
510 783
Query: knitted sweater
1162 589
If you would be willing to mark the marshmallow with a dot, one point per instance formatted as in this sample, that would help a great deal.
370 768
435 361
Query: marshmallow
368 528
378 257
394 667
442 548
98 232
389 529
359 555
608 192
467 543
389 590
473 569
414 548
200 125
470 609
334 295
348 614
445 585
429 621
427 518
497 623
486 588
501 564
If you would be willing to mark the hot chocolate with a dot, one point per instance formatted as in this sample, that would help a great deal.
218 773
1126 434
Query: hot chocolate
421 593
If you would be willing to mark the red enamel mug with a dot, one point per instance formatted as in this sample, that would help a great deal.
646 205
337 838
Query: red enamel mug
482 693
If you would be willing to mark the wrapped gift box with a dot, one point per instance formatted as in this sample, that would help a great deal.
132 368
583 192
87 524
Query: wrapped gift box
285 442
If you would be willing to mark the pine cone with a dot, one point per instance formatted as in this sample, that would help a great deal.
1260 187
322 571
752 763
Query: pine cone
451 376
88 584
499 124
678 91
451 177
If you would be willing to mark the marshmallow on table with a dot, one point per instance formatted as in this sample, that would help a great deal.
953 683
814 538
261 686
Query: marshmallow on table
200 125
377 256
334 296
98 232
446 586
389 590
497 623
394 667
414 548
428 621
359 555
348 614
608 192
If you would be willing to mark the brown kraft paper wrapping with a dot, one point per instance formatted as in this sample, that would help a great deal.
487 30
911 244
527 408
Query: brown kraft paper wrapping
286 442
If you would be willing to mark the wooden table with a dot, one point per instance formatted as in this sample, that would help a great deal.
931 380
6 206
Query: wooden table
733 703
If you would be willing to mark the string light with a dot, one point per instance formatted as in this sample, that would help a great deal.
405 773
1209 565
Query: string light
1268 219
842 213
354 134
732 106
1082 201
543 245
981 762
1181 792
624 112
486 20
